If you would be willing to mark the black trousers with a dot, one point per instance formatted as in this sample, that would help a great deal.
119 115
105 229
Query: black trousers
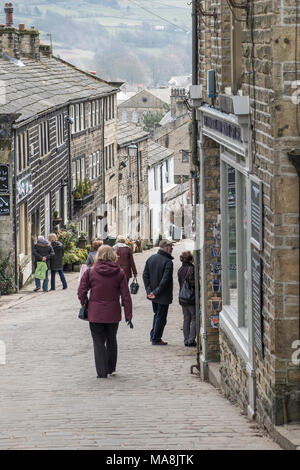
105 347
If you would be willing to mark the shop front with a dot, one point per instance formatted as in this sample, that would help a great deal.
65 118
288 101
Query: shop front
226 179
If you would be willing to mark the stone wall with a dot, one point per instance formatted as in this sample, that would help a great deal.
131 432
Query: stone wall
268 66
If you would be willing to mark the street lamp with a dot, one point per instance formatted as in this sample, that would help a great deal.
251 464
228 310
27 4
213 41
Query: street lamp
132 150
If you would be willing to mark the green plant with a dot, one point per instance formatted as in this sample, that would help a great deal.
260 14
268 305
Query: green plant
83 236
82 254
6 278
83 188
88 248
87 187
70 257
67 239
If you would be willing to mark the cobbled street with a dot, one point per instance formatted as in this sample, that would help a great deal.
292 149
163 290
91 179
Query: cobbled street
50 397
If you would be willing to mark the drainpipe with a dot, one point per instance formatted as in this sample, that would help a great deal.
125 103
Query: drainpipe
70 167
103 165
15 208
195 160
161 200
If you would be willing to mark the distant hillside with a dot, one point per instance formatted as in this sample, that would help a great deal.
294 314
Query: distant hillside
120 39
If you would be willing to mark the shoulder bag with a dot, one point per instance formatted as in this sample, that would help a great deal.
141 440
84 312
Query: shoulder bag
134 287
83 312
187 292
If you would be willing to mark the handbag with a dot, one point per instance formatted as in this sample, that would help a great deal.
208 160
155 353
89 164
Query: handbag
83 312
41 269
134 287
187 292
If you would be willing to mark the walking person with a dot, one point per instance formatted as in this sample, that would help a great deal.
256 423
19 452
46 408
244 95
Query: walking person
91 256
105 281
158 281
56 262
187 272
42 251
125 258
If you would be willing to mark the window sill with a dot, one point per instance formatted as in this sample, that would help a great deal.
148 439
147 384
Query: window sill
239 336
78 134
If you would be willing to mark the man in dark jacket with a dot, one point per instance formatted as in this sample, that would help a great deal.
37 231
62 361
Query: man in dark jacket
158 281
42 251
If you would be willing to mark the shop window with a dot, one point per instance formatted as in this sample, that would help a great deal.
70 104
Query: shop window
234 245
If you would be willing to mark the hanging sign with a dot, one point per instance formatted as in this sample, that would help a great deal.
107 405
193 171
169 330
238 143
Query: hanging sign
24 187
4 179
4 205
256 212
256 274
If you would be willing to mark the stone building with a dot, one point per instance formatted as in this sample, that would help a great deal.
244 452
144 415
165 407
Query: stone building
173 133
134 109
130 182
52 135
248 62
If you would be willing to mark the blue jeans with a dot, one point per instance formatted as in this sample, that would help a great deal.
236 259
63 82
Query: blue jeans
159 321
45 282
62 278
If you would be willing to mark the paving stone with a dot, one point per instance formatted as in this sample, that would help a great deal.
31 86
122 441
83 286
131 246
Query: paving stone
50 397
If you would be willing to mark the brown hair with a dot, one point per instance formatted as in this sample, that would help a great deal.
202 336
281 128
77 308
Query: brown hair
106 253
96 244
186 257
52 237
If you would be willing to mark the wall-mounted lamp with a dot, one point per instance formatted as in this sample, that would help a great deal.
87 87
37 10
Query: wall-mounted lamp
132 150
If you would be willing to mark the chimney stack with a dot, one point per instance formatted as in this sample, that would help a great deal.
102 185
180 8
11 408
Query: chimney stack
9 12
178 108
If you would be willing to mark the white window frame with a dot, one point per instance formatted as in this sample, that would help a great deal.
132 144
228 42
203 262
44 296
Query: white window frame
60 137
44 142
91 166
231 320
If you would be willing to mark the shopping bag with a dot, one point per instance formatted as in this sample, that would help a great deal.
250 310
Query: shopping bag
41 269
134 287
83 268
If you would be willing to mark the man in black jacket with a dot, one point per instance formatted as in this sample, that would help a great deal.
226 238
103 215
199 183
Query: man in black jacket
158 281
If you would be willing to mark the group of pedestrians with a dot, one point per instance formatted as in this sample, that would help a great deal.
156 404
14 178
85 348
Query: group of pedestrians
108 280
51 252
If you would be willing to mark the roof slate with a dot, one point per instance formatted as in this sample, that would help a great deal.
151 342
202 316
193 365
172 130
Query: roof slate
128 133
41 85
157 153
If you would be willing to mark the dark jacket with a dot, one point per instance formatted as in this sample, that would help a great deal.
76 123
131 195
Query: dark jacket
126 261
42 251
187 271
158 277
56 262
91 258
106 281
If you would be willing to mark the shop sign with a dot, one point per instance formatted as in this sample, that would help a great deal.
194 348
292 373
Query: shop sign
4 179
4 205
256 212
24 187
256 274
228 130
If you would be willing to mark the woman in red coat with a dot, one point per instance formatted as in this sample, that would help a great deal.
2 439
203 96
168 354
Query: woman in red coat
106 281
125 258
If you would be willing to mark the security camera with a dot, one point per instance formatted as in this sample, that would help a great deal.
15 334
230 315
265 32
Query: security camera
69 120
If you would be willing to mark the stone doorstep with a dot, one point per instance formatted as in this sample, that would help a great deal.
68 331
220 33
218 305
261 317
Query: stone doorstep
287 436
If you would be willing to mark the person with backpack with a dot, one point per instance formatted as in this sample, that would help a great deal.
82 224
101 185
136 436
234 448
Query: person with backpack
187 273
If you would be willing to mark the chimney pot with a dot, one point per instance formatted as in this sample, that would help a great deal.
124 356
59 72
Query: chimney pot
22 27
9 12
